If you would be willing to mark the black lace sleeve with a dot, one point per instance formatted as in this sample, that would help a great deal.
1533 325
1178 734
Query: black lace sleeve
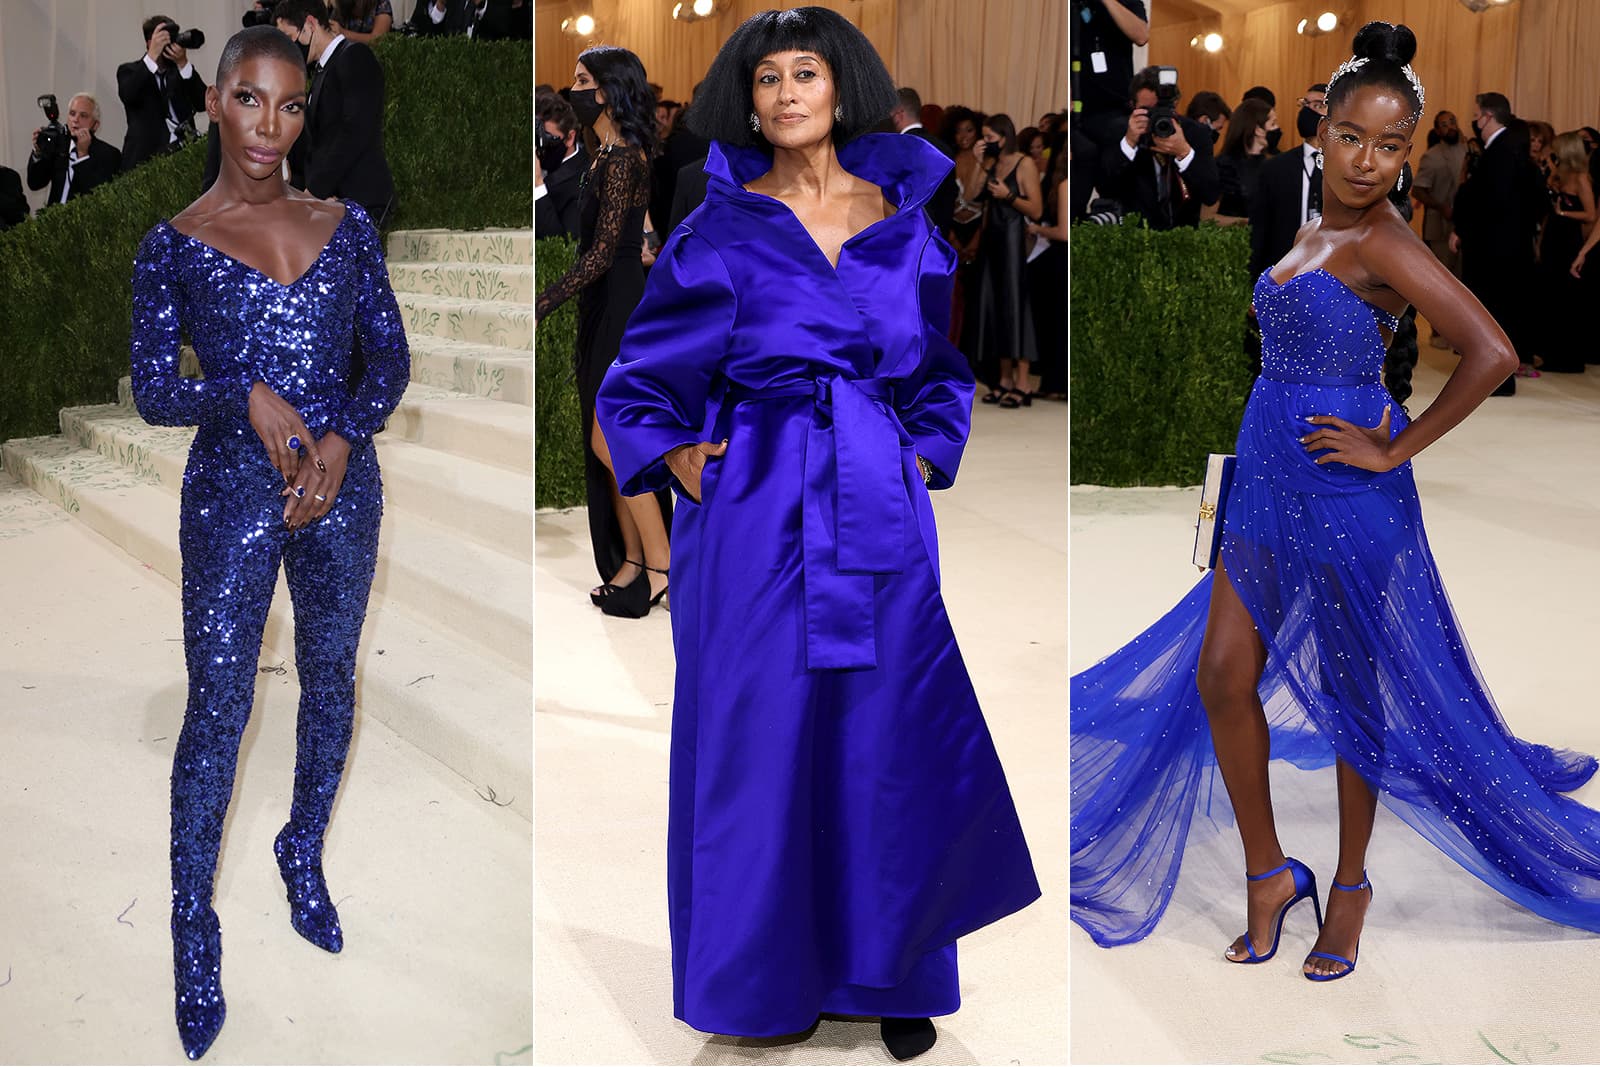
624 182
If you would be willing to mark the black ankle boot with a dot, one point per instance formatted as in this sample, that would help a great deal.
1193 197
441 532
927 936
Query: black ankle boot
905 1038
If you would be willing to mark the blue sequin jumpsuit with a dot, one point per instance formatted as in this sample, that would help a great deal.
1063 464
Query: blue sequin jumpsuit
297 339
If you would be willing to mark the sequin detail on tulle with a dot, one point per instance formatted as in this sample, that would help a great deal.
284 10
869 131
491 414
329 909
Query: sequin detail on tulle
297 339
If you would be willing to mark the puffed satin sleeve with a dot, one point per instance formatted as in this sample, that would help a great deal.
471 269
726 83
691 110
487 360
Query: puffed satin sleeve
382 335
163 396
935 401
654 396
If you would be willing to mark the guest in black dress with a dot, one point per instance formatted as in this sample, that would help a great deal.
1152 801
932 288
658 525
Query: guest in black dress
1047 276
1563 343
1006 350
1239 162
615 105
961 126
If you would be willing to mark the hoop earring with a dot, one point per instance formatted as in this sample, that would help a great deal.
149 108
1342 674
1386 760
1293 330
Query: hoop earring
755 123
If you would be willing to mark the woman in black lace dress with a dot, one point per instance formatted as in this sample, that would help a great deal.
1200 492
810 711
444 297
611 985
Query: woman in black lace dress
613 101
1564 343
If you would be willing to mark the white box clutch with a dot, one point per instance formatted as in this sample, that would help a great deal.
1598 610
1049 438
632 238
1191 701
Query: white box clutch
1213 506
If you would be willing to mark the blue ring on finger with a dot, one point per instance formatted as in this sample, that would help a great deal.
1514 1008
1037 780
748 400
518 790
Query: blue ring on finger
299 490
293 442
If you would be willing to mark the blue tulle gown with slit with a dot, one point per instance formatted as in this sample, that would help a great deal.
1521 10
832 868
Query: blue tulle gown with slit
1365 660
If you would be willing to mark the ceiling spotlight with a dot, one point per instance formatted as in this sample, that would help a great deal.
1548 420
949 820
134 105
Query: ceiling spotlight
703 8
1213 42
1301 29
1194 42
677 8
1327 22
584 25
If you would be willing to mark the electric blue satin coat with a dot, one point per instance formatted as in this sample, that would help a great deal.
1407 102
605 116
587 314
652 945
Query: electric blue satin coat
838 814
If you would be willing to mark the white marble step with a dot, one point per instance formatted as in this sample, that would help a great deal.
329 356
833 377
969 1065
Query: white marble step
488 322
460 246
466 707
472 369
489 431
429 560
511 283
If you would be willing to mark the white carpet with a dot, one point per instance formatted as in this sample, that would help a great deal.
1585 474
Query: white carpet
603 983
1449 972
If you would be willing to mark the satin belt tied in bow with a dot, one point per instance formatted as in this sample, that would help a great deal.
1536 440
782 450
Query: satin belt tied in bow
853 512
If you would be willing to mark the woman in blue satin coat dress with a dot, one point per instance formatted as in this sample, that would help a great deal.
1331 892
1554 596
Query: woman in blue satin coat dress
282 472
838 814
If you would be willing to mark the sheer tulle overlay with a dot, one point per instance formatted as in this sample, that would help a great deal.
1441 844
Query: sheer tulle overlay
1365 661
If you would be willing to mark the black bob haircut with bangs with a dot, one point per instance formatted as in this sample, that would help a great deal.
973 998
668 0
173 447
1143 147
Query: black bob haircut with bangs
864 90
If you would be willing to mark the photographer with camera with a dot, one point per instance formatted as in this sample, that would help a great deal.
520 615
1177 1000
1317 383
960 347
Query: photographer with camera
69 158
161 91
1162 168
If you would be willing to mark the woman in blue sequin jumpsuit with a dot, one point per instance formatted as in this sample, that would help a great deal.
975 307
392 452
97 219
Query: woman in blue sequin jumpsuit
1325 634
282 469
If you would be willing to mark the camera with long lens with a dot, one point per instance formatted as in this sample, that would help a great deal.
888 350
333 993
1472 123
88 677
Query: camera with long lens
54 138
1164 116
262 17
183 38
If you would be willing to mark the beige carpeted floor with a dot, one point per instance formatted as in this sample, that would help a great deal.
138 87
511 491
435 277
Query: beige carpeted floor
1448 972
431 881
603 984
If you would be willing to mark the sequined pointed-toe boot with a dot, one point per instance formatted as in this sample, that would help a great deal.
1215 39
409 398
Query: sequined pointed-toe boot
311 910
197 974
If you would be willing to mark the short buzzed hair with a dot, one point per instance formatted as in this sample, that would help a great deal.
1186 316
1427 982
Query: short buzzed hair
256 42
910 102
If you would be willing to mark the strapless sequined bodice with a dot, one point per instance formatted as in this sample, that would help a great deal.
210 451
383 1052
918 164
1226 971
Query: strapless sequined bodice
1316 330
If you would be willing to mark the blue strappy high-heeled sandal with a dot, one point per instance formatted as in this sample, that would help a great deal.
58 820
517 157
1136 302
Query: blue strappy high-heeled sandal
1305 885
1349 964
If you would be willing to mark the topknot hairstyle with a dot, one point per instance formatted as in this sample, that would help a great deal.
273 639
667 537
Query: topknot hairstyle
256 42
1382 56
866 94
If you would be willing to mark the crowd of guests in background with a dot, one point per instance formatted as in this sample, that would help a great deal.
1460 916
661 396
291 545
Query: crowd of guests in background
162 94
1508 206
1002 209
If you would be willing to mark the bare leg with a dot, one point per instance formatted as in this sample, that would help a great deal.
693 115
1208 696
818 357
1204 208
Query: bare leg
1232 658
632 544
1346 912
642 528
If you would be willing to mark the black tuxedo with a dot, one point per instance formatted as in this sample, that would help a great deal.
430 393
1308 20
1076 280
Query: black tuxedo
102 164
1497 214
498 21
146 105
682 147
942 204
1275 214
1136 185
689 192
555 214
13 204
340 151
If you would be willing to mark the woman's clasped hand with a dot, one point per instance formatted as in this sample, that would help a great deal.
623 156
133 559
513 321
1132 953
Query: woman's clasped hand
311 481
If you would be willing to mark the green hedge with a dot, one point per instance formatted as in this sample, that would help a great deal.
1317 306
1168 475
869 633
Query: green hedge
459 139
1159 373
557 415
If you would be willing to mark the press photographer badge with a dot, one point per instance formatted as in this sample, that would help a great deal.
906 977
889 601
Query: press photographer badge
1097 62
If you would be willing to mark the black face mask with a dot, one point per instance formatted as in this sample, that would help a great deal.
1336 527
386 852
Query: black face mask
1305 123
305 51
551 151
1216 134
1453 137
585 106
1477 131
991 149
1273 137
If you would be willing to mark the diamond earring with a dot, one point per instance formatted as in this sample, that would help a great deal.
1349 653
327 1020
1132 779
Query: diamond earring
755 123
838 112
1319 159
1400 186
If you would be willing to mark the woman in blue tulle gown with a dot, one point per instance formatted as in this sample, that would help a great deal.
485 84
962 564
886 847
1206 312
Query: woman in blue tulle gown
1325 634
838 816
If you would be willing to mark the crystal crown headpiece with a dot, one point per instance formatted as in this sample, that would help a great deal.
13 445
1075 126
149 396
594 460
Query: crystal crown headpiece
1355 63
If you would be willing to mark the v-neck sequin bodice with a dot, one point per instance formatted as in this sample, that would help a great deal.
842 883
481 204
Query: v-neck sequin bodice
247 327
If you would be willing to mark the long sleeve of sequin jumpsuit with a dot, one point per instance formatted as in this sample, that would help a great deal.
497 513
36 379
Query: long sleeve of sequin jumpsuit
297 338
